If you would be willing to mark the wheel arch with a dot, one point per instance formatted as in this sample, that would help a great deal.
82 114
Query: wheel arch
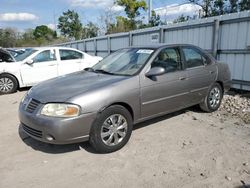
221 84
123 104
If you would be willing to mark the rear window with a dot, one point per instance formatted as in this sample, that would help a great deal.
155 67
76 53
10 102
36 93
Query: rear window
70 54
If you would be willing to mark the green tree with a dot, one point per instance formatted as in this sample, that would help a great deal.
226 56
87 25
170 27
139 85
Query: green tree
218 7
90 30
206 6
182 18
70 24
233 7
8 37
244 5
155 20
132 9
45 32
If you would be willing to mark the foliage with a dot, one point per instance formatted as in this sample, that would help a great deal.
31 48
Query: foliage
90 30
244 5
43 31
70 25
132 10
220 7
8 37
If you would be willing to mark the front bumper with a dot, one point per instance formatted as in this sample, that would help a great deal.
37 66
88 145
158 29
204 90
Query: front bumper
56 130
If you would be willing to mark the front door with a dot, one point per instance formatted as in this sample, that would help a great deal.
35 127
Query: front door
44 67
167 92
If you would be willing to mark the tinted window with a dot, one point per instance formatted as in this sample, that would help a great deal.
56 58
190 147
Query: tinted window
47 55
4 57
70 54
193 58
169 59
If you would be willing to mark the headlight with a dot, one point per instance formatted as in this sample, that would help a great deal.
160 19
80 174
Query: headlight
60 110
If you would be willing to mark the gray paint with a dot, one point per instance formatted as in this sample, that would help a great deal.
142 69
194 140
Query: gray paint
227 37
147 97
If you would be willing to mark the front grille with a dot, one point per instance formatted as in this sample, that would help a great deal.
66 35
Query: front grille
32 105
31 131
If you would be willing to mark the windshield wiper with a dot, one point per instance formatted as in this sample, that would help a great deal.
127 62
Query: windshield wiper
102 71
89 69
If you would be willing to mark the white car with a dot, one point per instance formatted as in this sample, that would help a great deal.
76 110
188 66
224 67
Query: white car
39 64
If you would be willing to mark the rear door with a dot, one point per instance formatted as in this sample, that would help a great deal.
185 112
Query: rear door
201 73
167 92
44 67
70 61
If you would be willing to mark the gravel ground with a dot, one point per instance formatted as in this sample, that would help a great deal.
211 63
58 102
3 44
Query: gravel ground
184 149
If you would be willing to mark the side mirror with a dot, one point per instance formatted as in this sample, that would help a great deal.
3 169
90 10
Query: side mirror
29 62
155 71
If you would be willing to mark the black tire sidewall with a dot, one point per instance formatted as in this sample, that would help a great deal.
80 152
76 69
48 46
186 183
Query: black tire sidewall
95 133
211 109
13 79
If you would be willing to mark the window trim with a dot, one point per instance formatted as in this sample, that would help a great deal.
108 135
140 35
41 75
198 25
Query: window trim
198 51
39 52
72 51
181 58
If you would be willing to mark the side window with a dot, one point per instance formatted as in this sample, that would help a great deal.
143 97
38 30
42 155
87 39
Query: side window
47 55
169 59
70 54
193 58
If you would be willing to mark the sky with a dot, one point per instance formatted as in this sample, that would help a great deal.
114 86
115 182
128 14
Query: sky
24 14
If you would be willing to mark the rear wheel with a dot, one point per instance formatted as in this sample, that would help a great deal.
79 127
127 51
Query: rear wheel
213 99
111 130
8 84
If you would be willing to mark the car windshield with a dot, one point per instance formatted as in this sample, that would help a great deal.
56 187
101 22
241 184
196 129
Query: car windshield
24 55
123 62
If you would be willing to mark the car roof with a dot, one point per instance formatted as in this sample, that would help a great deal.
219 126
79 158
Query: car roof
53 47
162 45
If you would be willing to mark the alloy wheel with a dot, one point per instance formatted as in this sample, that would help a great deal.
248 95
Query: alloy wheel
114 129
214 97
6 85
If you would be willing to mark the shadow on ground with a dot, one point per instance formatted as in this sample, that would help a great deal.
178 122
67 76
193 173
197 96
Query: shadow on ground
58 149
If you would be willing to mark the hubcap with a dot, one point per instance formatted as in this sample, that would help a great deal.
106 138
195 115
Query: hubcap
6 85
214 97
114 129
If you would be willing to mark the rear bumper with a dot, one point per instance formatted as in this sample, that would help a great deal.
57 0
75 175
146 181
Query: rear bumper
56 130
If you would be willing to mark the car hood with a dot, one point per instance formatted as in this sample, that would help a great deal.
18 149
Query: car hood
62 88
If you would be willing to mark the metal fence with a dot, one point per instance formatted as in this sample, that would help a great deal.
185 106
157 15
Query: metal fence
227 37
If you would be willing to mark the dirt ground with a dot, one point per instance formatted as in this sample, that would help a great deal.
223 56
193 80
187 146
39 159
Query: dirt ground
185 149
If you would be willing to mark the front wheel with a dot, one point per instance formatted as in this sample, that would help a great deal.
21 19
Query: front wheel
213 99
8 84
111 130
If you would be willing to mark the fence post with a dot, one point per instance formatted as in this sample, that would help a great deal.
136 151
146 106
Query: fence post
161 35
130 39
109 45
95 47
84 46
215 37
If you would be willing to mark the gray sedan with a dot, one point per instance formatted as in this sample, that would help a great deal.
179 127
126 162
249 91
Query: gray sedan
101 104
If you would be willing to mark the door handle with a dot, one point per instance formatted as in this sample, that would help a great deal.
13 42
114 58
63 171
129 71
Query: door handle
52 65
182 78
211 72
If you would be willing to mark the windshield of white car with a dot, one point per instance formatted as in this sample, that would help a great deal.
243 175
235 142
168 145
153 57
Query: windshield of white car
24 55
123 62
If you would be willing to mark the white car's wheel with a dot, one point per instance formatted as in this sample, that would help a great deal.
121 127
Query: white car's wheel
8 84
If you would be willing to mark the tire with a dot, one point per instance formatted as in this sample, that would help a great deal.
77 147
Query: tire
213 99
8 84
111 129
